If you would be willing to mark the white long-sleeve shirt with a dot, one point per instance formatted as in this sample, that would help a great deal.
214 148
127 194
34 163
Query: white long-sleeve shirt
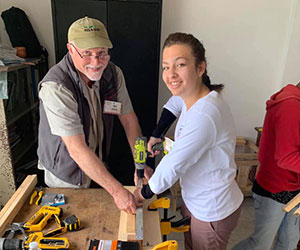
203 159
174 105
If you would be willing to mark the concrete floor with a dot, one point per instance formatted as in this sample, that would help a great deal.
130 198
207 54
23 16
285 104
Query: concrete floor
242 231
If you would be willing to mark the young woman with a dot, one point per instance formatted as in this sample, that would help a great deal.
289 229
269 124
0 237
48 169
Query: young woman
203 153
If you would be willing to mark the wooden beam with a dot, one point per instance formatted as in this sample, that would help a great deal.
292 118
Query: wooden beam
152 235
127 227
13 206
240 140
253 146
292 203
297 212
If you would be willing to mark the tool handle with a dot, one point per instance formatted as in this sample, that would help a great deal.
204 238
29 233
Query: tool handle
183 222
158 147
34 194
38 201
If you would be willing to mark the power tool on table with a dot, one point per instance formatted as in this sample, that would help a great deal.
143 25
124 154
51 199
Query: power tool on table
37 223
43 243
41 218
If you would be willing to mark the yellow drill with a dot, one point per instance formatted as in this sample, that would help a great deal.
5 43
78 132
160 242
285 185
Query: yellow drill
140 154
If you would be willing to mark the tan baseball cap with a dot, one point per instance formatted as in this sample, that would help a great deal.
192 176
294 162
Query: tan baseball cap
87 33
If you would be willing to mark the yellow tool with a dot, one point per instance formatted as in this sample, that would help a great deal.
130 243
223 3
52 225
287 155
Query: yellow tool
38 221
166 226
37 192
47 243
167 245
71 223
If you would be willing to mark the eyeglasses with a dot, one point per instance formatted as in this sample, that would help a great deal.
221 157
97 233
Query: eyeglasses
87 55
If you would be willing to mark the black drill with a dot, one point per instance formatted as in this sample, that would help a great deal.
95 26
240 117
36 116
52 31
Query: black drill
11 244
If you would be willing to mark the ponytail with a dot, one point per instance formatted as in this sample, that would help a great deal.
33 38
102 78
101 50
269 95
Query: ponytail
206 81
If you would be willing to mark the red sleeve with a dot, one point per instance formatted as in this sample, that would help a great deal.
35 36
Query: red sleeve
287 133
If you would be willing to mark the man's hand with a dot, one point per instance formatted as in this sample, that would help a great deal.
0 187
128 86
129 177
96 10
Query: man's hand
148 172
138 197
125 201
152 141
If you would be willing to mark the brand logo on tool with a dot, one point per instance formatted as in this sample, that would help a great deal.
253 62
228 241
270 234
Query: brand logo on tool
90 28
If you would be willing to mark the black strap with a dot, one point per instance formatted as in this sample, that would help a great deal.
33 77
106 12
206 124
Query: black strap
165 121
283 197
147 192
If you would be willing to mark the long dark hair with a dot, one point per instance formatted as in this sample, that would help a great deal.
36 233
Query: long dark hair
198 52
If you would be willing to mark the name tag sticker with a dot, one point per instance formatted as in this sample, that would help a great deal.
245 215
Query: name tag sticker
113 108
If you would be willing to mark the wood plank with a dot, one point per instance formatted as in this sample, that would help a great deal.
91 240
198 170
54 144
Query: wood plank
152 235
247 162
127 227
240 140
13 206
252 146
131 227
292 203
297 212
127 224
245 157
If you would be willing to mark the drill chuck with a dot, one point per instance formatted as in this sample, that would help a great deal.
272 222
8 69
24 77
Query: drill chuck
140 172
11 244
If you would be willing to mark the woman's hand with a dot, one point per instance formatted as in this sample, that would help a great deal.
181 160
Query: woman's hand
152 141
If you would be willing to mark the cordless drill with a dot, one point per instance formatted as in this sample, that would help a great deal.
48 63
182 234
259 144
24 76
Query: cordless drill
140 154
11 244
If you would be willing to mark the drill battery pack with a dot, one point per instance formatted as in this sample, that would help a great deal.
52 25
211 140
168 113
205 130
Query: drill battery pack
113 245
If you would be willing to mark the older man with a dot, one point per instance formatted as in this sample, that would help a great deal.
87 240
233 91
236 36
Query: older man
79 98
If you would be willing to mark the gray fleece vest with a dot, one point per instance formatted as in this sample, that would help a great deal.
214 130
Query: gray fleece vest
52 152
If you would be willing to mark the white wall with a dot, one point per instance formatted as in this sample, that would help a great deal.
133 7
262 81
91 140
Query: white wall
291 69
252 46
246 44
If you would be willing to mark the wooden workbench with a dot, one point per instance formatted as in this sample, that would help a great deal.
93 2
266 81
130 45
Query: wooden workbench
95 208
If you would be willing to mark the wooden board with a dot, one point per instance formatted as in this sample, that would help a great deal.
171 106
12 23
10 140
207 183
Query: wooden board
152 234
16 202
126 227
292 203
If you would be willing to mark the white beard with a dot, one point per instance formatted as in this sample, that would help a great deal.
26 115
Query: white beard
93 76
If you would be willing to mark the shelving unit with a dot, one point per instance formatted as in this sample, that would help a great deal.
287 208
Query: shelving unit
19 116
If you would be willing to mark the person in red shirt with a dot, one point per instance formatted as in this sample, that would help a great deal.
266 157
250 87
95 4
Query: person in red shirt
278 178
